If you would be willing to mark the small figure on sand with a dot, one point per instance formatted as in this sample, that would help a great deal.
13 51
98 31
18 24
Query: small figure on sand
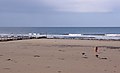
97 54
96 49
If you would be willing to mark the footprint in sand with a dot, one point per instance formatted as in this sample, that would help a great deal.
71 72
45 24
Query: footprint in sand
1 55
11 60
114 71
6 68
104 50
61 58
85 57
119 50
48 67
59 71
115 66
105 70
61 50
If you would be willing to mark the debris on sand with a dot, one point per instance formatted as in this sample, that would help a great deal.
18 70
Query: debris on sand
61 50
9 59
83 53
84 56
104 58
36 56
97 56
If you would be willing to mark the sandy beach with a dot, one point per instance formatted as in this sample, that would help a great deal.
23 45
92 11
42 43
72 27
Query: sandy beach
59 56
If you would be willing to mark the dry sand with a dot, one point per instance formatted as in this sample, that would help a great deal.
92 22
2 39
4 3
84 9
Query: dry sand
59 56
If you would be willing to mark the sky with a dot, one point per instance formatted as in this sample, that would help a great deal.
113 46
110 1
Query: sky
59 13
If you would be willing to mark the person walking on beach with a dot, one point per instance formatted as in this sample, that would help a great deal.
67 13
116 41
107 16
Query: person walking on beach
96 49
96 52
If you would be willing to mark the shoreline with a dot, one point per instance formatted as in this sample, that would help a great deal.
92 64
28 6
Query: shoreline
4 39
105 37
17 39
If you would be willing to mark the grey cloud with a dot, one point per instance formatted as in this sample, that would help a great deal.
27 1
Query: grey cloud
23 6
83 5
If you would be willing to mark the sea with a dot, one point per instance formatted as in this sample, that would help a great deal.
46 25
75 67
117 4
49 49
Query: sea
78 32
60 30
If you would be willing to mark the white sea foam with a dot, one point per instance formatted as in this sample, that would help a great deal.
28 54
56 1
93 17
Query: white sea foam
115 35
78 36
74 34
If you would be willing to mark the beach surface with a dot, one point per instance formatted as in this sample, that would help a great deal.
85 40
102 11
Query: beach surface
59 56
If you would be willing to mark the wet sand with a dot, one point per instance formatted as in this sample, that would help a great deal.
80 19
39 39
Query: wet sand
59 56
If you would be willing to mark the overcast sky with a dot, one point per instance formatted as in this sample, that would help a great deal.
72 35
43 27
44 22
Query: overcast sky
60 13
